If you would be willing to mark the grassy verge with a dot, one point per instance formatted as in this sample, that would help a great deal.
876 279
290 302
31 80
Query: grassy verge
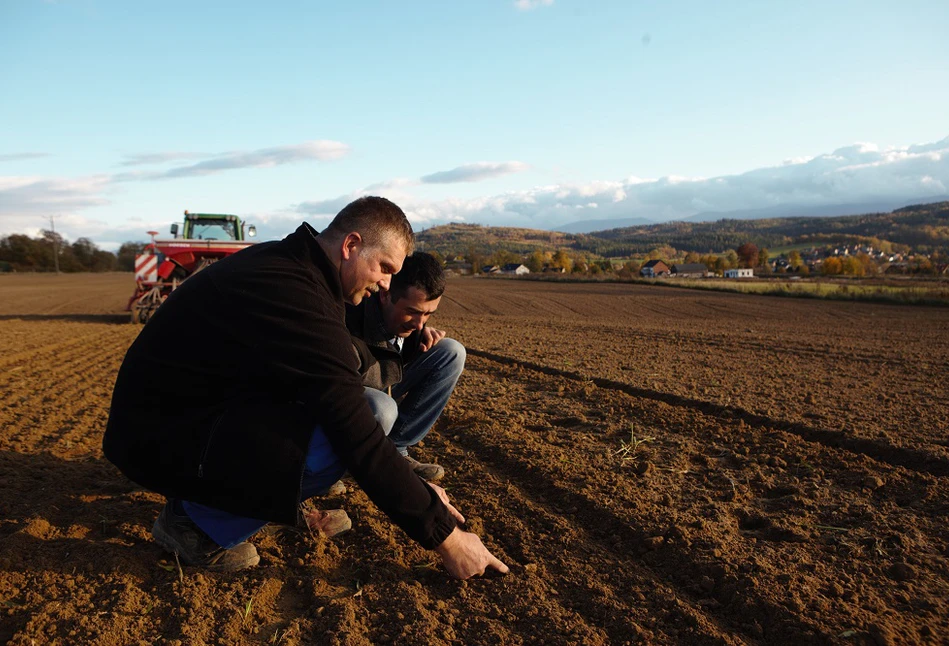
937 294
849 290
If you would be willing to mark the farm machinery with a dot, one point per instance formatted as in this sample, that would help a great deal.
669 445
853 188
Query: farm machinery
204 238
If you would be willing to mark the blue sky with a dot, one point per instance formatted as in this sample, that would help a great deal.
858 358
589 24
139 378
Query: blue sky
117 116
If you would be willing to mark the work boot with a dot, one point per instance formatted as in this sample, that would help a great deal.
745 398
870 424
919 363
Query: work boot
430 472
176 532
328 522
338 488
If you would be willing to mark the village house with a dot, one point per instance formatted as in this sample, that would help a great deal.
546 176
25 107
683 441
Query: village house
690 270
515 268
741 272
654 269
490 269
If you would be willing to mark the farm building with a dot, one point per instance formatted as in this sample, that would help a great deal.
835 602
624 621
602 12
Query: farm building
654 268
743 272
690 270
490 269
515 268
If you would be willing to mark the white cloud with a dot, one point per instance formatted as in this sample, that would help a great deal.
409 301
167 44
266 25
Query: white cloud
321 150
142 159
474 172
527 5
21 156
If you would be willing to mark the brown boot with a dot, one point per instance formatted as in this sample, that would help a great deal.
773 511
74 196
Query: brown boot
328 522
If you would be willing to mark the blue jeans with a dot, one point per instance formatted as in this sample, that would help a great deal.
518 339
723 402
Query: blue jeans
427 383
321 470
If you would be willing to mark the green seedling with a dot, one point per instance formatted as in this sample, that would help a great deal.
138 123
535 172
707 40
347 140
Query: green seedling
626 449
247 608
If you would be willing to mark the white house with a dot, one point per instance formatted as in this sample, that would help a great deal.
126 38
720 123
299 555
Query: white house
739 273
515 268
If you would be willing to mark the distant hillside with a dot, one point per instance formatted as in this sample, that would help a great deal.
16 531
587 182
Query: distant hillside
588 226
793 211
921 227
458 239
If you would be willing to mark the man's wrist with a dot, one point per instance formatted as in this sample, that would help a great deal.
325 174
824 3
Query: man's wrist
449 542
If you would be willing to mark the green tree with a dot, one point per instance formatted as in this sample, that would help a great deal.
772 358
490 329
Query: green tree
125 258
762 257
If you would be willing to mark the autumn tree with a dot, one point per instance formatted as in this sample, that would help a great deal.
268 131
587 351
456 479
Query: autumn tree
832 266
561 260
535 261
747 254
794 260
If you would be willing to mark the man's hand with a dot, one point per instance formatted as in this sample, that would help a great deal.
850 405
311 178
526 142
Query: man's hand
465 556
430 336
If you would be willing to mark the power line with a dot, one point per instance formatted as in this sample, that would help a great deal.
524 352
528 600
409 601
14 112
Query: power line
52 226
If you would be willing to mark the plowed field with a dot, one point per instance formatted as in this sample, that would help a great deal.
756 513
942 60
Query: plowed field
656 465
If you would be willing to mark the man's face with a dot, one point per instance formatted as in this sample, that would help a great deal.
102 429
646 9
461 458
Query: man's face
407 314
364 270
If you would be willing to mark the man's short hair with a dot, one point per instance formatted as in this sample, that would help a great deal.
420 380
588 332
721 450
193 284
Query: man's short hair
422 271
374 218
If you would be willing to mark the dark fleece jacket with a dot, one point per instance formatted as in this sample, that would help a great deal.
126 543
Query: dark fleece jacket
384 364
217 398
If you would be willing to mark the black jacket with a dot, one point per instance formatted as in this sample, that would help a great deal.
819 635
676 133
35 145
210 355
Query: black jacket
216 399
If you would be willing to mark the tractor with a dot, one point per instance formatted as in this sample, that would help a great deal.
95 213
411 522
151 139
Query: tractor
163 264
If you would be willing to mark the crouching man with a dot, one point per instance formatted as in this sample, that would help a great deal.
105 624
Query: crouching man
241 398
414 367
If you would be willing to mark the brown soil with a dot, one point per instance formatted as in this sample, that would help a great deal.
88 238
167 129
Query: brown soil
656 466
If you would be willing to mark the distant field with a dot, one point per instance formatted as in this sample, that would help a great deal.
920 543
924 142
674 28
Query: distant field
879 289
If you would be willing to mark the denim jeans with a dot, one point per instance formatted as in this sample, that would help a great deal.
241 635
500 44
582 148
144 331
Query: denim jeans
321 470
427 383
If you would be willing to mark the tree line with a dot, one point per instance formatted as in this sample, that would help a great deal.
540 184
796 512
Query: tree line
52 252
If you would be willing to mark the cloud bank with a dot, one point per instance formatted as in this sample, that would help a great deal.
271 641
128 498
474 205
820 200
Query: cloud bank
860 173
857 174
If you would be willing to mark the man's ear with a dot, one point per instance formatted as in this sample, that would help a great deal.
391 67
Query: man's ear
350 245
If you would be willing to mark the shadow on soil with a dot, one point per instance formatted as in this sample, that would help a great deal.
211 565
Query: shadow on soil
113 319
67 516
914 459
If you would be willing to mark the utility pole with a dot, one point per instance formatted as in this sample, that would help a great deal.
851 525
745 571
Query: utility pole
52 226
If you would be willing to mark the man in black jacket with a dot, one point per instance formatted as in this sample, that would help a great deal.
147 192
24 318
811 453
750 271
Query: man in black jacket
241 397
413 362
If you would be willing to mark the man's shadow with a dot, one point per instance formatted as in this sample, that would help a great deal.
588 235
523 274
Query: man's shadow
112 319
74 516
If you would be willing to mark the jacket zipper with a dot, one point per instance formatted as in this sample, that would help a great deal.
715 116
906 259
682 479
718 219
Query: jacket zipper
207 445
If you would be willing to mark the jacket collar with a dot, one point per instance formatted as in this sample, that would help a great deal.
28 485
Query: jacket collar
306 248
